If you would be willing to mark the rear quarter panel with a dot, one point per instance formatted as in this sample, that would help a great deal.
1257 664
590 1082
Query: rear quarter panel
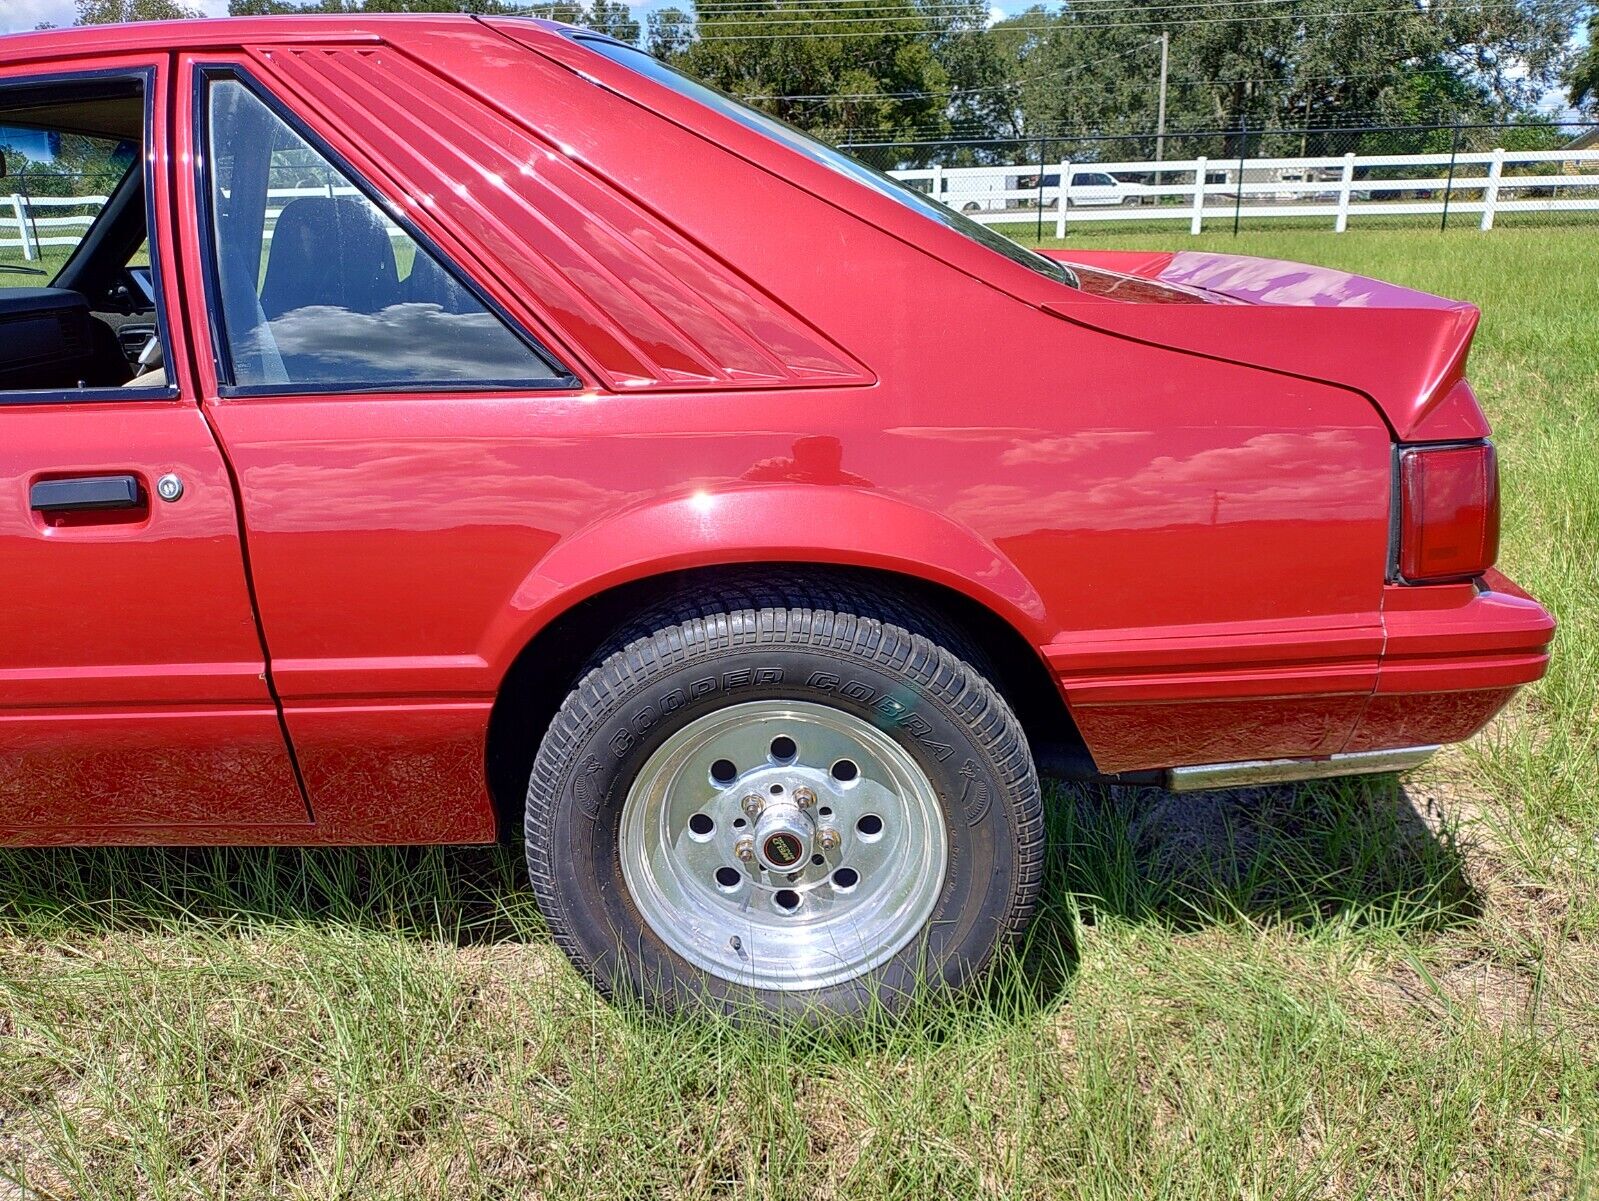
1123 504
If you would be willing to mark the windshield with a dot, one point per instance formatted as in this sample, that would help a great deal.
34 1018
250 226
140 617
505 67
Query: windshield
821 152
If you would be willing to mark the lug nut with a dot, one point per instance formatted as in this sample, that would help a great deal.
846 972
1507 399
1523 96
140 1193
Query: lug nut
744 849
753 803
804 797
828 838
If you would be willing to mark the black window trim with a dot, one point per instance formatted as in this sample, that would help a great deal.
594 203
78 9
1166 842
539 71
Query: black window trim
207 73
145 77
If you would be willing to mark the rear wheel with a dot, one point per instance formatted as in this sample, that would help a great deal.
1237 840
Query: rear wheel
792 808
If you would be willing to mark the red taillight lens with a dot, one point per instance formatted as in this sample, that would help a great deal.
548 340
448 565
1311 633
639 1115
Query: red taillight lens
1449 512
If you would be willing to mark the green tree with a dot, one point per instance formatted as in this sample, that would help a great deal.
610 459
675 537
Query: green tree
1290 64
606 15
112 12
1582 80
613 18
80 166
866 70
671 32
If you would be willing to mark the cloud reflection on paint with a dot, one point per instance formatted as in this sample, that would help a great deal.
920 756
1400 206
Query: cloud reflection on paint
402 344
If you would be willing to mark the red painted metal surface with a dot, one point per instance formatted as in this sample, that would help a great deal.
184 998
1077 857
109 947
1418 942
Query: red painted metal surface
1176 483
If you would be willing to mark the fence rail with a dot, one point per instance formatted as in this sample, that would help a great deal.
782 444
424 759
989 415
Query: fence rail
23 228
1481 183
1339 188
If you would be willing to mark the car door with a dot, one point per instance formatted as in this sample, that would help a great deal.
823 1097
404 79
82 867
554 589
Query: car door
388 426
134 703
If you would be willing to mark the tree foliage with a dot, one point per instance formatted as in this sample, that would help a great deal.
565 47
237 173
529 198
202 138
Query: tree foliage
1292 64
1582 80
868 69
77 166
112 12
927 69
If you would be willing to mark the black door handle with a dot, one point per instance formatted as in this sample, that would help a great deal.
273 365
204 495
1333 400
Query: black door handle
85 493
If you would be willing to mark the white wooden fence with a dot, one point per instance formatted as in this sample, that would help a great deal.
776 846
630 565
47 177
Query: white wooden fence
45 221
1187 190
28 223
1485 184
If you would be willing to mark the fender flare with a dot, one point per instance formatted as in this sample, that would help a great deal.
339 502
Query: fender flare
764 523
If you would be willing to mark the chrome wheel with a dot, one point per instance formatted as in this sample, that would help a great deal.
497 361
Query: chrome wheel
783 845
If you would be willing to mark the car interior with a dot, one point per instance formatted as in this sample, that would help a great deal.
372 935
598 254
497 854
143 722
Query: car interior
317 288
93 324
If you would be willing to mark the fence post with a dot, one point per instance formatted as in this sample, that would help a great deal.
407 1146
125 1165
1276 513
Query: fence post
1198 222
1038 200
1344 180
24 231
1449 184
1243 155
938 183
1065 189
1490 194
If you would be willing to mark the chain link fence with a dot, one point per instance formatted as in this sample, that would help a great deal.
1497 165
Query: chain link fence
1420 177
45 213
1435 176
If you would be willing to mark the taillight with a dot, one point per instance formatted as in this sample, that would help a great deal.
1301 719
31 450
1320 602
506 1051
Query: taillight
1448 512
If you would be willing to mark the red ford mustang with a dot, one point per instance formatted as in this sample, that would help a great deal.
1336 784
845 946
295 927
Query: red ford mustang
447 423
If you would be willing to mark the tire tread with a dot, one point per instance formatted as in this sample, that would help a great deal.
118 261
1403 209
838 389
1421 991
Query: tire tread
840 618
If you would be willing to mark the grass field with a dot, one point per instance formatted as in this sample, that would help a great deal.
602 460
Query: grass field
1370 990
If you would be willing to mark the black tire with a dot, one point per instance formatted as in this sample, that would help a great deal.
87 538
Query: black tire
706 656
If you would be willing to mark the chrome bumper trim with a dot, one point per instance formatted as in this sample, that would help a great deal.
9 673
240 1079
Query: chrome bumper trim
1281 771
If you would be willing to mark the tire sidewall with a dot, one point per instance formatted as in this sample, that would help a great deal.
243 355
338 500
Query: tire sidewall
581 846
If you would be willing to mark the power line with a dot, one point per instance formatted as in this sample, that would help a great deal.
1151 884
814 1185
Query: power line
816 13
1409 10
784 17
957 92
1185 5
830 15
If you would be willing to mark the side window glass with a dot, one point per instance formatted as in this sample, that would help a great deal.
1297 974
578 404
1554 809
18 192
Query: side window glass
79 314
320 290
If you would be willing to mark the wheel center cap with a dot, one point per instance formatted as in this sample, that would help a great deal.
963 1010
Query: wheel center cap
783 837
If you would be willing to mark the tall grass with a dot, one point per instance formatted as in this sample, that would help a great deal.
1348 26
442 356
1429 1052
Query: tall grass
1352 989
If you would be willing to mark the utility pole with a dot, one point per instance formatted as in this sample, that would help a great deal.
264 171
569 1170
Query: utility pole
1160 119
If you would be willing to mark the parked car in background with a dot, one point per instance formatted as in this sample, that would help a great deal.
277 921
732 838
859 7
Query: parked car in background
1090 189
515 434
993 191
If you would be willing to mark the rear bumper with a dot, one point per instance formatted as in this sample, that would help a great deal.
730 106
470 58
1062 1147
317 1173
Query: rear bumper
1433 667
1450 665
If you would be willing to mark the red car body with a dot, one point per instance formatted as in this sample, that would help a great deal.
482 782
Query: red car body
1172 491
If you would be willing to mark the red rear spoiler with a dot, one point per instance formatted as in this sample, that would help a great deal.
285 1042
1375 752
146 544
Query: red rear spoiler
1404 349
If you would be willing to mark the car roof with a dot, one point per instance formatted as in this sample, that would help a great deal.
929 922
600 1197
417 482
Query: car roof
216 33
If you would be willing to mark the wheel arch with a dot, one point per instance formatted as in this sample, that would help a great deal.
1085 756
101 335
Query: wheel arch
548 664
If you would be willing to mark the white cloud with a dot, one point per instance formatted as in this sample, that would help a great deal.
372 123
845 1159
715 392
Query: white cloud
19 16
